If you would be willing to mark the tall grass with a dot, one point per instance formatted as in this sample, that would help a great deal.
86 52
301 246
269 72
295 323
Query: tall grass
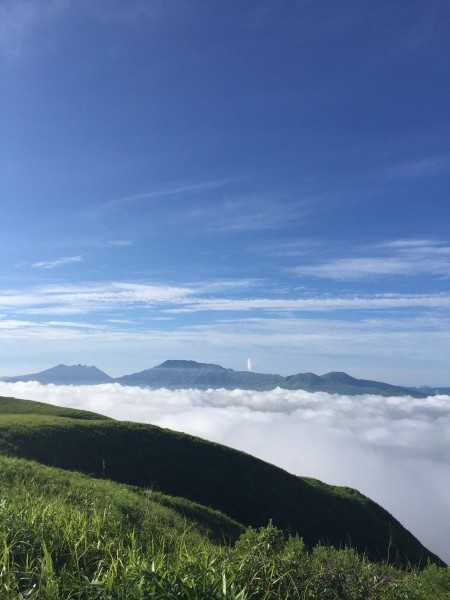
64 536
247 489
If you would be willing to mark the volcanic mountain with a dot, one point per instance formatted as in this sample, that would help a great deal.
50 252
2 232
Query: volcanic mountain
179 374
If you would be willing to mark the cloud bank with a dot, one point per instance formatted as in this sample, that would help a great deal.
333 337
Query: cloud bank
394 450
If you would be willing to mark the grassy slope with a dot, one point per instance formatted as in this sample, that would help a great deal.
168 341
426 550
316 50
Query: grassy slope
248 490
140 508
65 535
12 406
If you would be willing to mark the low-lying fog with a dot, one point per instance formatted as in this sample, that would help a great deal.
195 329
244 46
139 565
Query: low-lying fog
394 450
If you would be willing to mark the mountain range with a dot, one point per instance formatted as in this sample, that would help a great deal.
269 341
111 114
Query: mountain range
178 374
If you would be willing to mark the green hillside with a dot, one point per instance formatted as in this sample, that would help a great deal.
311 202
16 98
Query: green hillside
20 478
64 535
12 406
244 488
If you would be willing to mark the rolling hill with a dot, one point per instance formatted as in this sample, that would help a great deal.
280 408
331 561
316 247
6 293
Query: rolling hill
245 489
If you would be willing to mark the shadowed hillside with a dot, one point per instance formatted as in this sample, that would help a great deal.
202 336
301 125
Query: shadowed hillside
246 489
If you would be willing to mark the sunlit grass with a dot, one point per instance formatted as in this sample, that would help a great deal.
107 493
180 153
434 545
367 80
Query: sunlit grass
66 536
247 489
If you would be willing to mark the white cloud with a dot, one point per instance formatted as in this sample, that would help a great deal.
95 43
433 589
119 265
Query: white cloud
12 324
112 244
86 298
412 243
406 258
59 262
83 298
395 450
317 304
91 297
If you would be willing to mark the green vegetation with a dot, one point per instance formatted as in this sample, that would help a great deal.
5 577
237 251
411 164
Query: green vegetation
64 534
246 489
12 406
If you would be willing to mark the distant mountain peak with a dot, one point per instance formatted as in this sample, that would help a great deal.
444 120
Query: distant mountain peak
338 376
77 367
66 375
186 364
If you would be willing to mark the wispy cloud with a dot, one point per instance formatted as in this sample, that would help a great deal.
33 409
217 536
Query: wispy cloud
14 324
253 212
85 298
20 18
112 244
427 166
109 296
72 325
213 206
407 258
121 321
316 304
174 190
59 262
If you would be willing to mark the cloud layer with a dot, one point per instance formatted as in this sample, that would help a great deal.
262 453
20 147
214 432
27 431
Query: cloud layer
406 258
394 450
85 298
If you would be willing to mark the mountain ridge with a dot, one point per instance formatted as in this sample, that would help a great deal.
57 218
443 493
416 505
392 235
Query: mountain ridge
179 374
65 374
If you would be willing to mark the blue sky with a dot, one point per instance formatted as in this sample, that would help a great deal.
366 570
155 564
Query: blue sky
225 180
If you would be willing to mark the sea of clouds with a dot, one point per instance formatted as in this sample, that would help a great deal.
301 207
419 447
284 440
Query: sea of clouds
394 450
